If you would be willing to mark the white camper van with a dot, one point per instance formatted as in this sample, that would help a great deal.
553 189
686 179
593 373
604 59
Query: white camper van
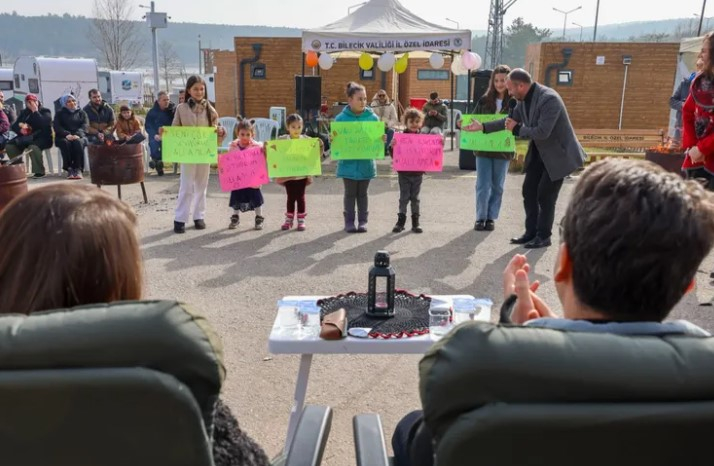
210 86
50 78
6 84
121 86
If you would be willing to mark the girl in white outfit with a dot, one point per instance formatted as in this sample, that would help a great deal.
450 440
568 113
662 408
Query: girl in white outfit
196 111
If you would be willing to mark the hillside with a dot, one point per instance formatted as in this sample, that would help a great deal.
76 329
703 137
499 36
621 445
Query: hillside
66 35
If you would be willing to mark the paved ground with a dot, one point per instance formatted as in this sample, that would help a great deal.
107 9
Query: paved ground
236 276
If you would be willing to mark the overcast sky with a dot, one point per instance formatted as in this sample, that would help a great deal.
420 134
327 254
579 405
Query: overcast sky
471 14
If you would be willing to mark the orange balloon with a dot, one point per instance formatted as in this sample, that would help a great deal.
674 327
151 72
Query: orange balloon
311 58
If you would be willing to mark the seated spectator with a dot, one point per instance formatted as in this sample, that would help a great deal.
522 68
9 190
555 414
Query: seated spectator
8 109
101 118
88 245
658 229
160 115
435 115
676 102
128 127
383 107
4 129
70 125
34 133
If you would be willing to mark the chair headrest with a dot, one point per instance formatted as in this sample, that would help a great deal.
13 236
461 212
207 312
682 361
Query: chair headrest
481 363
166 336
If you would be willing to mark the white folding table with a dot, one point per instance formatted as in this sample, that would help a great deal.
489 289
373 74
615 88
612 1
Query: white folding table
286 343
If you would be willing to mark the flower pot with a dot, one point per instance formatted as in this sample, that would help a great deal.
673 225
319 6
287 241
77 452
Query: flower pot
13 182
670 161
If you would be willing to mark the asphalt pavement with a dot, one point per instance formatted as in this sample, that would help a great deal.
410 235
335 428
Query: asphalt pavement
235 277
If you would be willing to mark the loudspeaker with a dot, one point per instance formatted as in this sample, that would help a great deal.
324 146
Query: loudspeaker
313 92
481 80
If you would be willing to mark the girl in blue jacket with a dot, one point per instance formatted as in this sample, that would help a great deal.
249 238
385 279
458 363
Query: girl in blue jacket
356 173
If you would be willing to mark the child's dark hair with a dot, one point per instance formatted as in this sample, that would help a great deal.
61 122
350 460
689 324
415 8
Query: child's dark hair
293 118
353 88
243 123
412 114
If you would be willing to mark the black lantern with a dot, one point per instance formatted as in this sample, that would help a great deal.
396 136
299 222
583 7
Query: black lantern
380 294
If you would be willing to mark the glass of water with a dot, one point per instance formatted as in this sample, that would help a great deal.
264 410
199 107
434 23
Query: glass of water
439 322
468 309
309 318
288 319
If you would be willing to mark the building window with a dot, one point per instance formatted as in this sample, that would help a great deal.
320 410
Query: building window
433 75
17 81
366 75
565 78
257 71
34 85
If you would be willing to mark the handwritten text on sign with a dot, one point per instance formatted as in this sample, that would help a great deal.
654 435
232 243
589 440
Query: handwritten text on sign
357 140
240 169
294 157
418 152
500 141
189 144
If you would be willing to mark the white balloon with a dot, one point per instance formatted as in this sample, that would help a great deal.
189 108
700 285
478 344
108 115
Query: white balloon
436 60
470 61
325 61
386 61
457 67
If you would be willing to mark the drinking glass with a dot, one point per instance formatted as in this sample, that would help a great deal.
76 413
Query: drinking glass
439 322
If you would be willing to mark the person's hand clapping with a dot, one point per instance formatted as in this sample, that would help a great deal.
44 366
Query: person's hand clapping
515 281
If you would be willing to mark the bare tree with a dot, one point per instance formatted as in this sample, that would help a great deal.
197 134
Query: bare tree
169 63
115 35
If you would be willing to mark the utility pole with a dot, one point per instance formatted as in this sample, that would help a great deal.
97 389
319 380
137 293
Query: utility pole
494 36
701 18
155 21
199 55
597 12
581 30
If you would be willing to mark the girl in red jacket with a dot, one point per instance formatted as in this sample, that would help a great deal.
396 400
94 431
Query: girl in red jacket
698 120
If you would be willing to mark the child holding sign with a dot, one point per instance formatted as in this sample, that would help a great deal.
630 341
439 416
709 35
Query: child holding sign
409 182
295 185
246 199
196 111
491 167
356 174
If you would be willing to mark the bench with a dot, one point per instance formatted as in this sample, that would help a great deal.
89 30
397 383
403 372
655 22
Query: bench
630 143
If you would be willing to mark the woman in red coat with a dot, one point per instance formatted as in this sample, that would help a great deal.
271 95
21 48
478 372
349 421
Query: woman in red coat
698 120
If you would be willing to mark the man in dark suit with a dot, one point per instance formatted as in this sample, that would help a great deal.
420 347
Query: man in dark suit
553 153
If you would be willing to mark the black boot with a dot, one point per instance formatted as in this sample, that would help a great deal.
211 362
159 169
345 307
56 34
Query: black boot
415 224
179 227
399 226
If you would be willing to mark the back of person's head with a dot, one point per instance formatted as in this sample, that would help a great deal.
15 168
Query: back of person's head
67 245
434 95
708 45
520 75
636 235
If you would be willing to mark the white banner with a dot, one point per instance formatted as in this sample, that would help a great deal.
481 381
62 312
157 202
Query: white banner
391 43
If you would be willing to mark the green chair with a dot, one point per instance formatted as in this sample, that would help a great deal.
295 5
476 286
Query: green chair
130 383
512 395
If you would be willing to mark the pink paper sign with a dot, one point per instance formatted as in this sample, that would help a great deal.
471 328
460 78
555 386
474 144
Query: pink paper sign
240 169
418 152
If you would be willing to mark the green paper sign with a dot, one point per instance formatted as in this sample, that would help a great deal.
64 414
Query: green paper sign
357 140
189 144
294 157
500 141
